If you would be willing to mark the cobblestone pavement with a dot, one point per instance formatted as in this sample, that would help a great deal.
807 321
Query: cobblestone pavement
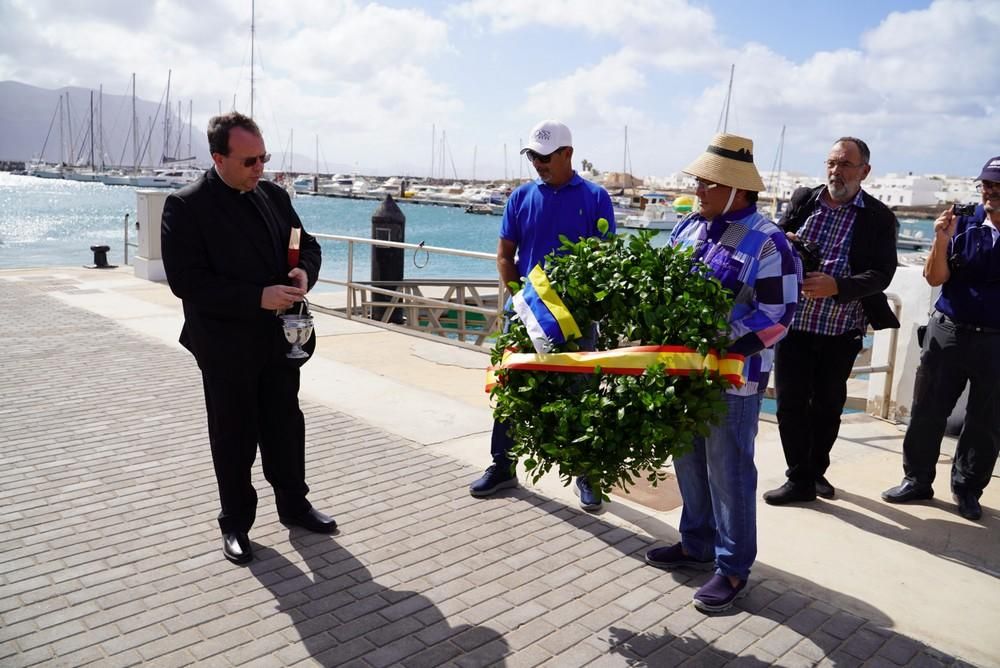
111 555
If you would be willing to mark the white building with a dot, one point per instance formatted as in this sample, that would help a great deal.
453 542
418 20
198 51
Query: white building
785 183
904 189
956 189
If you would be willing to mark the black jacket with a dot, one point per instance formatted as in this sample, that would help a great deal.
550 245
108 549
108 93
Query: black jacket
219 270
872 255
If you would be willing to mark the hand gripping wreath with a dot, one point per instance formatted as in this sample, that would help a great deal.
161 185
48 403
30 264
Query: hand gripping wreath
653 381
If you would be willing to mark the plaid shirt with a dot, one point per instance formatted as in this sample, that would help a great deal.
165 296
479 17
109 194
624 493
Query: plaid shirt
750 256
832 230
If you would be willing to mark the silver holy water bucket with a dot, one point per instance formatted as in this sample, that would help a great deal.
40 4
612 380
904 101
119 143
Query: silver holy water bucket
298 328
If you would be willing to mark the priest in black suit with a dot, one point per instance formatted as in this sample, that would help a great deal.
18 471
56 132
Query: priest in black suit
235 253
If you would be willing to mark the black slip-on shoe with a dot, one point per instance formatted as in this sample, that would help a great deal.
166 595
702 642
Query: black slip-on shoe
236 547
311 520
907 491
790 492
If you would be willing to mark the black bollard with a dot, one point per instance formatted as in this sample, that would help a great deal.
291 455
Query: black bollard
100 258
388 224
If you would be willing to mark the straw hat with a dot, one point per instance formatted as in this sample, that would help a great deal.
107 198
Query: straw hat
728 160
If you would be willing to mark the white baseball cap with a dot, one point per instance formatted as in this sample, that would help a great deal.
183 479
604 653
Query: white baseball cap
547 137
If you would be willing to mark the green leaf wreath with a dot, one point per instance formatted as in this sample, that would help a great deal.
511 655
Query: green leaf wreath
613 429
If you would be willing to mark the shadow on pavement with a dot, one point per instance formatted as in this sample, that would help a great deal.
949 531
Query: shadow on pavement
978 542
342 614
775 620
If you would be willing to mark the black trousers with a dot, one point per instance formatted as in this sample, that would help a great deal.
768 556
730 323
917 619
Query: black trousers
250 407
810 379
952 356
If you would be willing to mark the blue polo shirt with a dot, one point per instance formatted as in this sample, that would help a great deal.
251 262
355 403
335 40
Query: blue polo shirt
536 214
971 295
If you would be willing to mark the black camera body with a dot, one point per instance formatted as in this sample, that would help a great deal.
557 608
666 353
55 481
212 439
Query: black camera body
808 253
963 209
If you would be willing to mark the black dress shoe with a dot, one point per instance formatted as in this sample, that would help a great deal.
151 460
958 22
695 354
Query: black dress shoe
236 547
311 520
907 491
824 488
790 492
968 505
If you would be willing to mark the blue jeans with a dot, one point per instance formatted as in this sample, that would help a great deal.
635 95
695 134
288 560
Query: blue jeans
718 483
501 442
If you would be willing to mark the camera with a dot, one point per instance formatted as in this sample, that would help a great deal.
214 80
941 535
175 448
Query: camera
808 253
963 209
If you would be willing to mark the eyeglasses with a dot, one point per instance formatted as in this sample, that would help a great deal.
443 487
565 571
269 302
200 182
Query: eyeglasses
252 160
705 185
843 164
988 185
544 159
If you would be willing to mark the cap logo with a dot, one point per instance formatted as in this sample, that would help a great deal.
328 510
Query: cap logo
994 163
543 135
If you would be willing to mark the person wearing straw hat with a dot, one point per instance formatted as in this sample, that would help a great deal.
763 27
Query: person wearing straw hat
559 203
751 257
855 237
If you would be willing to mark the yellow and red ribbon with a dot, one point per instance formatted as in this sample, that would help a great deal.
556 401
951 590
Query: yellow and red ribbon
629 361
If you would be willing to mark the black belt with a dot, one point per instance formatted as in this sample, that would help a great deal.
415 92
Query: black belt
965 327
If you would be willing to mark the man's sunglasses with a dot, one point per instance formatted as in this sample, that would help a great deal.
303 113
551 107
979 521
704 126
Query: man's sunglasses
544 159
252 160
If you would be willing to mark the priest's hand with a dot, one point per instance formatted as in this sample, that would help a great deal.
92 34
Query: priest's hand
276 297
300 279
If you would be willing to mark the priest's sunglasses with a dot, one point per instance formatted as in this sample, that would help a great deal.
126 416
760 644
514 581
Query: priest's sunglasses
252 160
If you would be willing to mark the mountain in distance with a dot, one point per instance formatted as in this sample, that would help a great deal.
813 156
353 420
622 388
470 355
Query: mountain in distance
29 113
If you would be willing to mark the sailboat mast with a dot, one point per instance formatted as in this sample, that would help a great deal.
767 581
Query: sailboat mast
252 29
474 162
62 145
433 143
625 160
776 175
520 163
190 112
166 122
69 129
729 96
92 130
100 124
135 132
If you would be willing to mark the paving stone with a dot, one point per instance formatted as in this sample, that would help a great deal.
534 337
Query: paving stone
899 650
863 644
421 573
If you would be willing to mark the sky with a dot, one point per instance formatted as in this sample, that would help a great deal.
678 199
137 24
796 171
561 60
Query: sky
383 84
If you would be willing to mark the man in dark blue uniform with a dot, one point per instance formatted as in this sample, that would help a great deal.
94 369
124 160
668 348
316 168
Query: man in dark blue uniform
961 345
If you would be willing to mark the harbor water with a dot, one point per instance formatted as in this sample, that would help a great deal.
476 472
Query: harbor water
54 222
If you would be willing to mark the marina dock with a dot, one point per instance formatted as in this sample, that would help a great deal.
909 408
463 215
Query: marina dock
111 552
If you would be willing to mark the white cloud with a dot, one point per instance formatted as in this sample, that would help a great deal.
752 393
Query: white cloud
371 78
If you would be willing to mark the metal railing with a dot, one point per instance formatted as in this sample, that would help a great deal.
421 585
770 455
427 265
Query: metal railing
867 369
464 312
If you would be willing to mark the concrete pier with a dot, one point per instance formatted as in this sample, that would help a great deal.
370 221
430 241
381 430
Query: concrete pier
110 553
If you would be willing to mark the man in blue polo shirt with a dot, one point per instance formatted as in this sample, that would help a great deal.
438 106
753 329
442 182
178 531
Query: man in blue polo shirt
560 202
961 345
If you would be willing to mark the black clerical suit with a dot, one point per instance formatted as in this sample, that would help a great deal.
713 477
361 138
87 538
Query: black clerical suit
221 248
